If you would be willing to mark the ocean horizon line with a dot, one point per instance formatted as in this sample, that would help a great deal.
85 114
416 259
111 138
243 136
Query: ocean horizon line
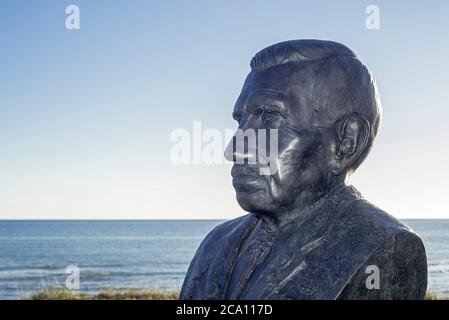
172 219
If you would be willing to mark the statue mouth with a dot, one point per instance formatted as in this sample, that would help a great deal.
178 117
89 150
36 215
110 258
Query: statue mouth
242 170
247 185
246 178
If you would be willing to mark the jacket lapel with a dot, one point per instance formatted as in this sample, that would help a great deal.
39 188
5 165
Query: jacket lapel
293 271
223 262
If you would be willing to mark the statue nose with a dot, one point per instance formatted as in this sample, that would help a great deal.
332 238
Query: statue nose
240 151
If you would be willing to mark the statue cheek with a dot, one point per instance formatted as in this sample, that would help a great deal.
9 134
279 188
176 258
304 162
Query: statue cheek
291 151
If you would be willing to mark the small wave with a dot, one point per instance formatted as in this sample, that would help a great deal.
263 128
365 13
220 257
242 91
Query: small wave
70 238
438 268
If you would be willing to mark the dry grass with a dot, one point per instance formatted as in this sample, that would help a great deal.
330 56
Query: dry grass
136 294
58 294
61 293
433 296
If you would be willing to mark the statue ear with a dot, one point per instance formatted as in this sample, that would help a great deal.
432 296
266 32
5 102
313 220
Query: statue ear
352 140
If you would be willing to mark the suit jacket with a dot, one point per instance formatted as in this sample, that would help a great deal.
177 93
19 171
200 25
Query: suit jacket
328 252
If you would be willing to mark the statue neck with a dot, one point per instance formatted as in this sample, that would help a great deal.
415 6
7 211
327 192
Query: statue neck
304 208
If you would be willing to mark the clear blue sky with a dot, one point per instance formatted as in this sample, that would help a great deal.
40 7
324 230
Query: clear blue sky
85 115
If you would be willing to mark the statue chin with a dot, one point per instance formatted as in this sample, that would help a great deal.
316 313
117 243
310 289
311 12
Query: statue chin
254 202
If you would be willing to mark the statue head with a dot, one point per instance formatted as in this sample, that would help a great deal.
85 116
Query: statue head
324 106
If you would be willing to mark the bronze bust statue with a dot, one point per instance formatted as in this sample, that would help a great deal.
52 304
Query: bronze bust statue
308 234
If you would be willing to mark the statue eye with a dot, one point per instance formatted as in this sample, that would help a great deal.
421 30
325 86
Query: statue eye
270 117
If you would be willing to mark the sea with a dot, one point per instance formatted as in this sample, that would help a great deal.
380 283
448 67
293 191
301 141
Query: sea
137 254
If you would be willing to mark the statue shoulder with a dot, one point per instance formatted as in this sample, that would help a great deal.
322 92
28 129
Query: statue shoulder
399 256
217 237
363 214
397 270
225 229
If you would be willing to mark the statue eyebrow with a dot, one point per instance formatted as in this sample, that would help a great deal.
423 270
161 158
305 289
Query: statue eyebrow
270 93
277 101
237 115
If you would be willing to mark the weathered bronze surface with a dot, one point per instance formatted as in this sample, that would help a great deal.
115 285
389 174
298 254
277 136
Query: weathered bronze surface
308 234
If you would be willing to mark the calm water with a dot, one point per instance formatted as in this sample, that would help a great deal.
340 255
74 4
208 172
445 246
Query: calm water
35 254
